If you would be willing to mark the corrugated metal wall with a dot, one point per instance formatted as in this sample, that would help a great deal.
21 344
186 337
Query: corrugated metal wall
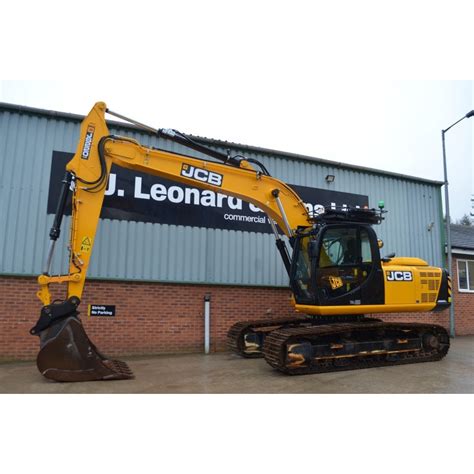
145 251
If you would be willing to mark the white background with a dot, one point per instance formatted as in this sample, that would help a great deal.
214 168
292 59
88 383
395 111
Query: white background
321 78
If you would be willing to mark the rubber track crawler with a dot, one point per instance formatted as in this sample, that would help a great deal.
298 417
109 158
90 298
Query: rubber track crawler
348 346
246 338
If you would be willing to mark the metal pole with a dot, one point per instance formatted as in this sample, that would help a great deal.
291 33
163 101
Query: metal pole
452 329
207 323
448 222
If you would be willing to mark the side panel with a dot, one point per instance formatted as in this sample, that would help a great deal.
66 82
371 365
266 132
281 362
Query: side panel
411 285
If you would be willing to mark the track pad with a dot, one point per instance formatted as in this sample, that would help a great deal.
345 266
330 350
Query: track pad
68 355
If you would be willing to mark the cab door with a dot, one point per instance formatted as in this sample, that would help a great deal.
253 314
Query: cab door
347 269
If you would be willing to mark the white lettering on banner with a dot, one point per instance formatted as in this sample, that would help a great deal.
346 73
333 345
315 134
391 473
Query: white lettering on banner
175 194
254 208
240 218
132 196
234 203
111 185
158 192
207 198
138 189
188 192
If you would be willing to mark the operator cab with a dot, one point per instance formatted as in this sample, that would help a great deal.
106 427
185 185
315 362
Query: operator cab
338 262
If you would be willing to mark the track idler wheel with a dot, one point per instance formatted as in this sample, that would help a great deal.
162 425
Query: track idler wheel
431 342
68 355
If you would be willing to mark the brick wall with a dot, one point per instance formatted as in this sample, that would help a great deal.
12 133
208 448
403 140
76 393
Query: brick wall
150 317
463 302
157 318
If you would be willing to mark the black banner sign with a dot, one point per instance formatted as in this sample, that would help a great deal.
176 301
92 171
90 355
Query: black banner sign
101 310
135 196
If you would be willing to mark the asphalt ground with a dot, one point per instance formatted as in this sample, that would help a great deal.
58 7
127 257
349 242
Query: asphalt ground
227 373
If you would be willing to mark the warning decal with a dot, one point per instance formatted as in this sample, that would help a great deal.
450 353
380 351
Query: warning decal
86 244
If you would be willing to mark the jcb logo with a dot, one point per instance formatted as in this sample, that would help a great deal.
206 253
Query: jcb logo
335 282
202 175
399 276
88 142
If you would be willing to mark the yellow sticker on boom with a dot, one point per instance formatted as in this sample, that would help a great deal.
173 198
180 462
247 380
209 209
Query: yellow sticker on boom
86 244
335 282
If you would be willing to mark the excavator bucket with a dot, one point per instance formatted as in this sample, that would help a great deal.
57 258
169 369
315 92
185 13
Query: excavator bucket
68 355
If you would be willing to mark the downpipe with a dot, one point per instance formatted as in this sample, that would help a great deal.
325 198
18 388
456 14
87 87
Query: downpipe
207 324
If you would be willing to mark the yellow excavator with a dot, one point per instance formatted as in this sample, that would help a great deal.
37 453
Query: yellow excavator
333 261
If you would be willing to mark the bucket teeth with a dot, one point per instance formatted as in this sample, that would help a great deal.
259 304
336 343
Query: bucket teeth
117 366
68 355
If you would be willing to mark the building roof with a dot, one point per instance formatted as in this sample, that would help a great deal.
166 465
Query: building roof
220 143
462 237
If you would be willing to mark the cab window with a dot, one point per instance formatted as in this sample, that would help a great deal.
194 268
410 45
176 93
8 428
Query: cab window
366 251
345 260
338 247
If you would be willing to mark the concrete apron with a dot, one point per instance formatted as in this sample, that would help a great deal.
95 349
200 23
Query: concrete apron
228 373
